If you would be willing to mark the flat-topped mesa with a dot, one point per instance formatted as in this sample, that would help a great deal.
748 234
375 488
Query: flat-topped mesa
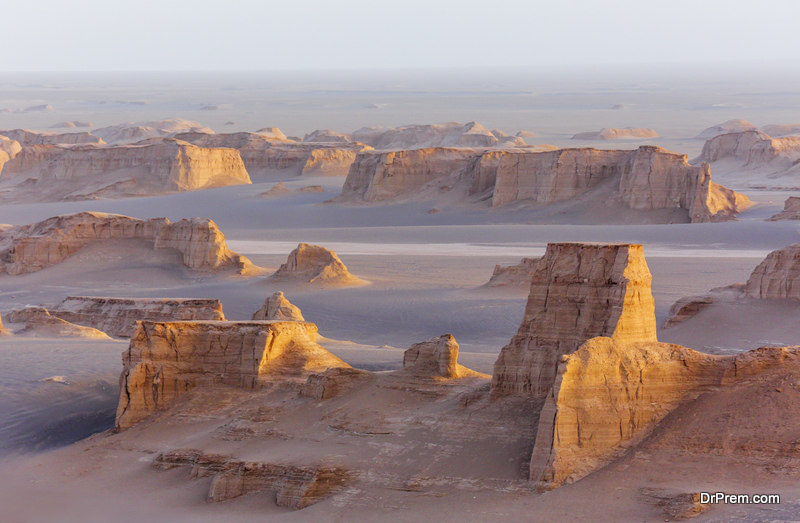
315 264
278 308
33 247
777 277
518 275
791 210
118 316
26 137
436 357
610 133
166 360
578 291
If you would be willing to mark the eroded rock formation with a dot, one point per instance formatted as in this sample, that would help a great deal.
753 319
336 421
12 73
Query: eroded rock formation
3 330
731 126
767 159
26 137
277 307
315 264
610 133
30 248
41 324
777 277
333 382
578 291
134 132
451 134
791 210
518 275
166 360
436 357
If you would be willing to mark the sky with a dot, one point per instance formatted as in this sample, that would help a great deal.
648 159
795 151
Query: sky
213 35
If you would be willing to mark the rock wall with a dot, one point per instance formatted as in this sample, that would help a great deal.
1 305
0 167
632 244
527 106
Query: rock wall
166 360
579 291
777 277
277 307
30 248
25 137
315 264
118 316
518 275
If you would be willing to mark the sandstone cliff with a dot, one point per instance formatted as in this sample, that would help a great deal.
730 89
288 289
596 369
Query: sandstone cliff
518 275
278 308
26 137
777 277
30 248
315 264
791 210
610 133
578 291
436 357
757 152
166 360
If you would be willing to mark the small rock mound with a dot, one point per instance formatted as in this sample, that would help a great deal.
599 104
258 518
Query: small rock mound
277 307
315 264
436 357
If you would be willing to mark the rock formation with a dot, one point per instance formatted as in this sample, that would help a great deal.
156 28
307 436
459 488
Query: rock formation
315 264
326 135
118 316
609 133
280 189
755 152
777 277
781 130
579 291
3 330
71 125
166 360
157 166
436 357
25 138
41 324
30 248
450 134
297 487
731 126
333 382
518 275
791 210
648 178
278 308
8 150
134 132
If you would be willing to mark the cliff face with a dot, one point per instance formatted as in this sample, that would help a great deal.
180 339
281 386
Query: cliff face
578 291
25 137
777 277
34 247
166 360
755 149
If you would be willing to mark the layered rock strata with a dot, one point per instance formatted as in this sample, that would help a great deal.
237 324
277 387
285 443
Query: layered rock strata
755 150
518 275
777 277
166 360
118 316
315 264
578 291
297 487
436 357
278 308
30 248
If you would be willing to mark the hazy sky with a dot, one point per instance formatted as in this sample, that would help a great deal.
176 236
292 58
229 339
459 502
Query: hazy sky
117 35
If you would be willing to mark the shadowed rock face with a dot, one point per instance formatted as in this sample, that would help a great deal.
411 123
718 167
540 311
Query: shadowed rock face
166 360
434 357
791 210
518 275
578 291
778 276
30 248
41 323
277 307
315 264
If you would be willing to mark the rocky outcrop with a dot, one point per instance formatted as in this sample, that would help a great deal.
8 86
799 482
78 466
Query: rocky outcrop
278 308
3 330
333 382
166 360
610 133
297 487
791 210
731 126
326 135
30 248
436 357
452 134
518 275
648 178
757 153
781 130
118 316
134 132
315 264
738 145
71 125
689 306
280 189
777 277
41 324
26 137
579 291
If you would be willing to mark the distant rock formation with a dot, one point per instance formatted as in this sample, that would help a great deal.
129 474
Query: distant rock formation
278 308
25 137
315 264
272 133
280 189
579 291
544 178
167 360
134 132
71 125
159 166
525 134
297 487
8 150
451 134
326 135
777 277
781 130
610 133
436 357
30 248
518 275
3 330
118 316
619 107
791 210
731 126
41 324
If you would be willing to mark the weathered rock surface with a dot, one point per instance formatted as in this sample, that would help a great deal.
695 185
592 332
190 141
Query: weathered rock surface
518 275
134 132
326 135
436 357
333 382
731 126
451 134
791 210
277 307
755 152
166 360
297 487
781 130
315 264
579 291
41 324
30 248
777 277
118 316
610 133
649 178
26 137
3 330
